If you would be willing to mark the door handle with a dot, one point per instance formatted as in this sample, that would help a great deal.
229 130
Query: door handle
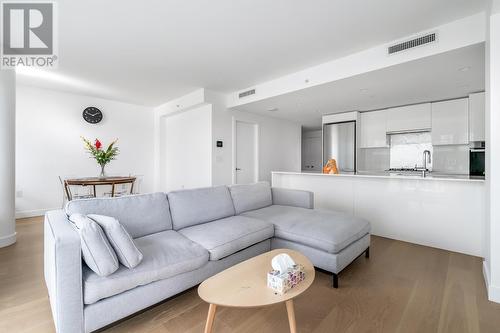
238 169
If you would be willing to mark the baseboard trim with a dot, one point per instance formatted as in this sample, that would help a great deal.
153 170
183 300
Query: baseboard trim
33 213
8 240
486 275
493 291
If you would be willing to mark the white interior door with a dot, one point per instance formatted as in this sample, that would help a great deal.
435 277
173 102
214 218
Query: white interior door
311 154
246 152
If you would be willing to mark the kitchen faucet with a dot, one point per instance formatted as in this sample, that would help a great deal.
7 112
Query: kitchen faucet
426 159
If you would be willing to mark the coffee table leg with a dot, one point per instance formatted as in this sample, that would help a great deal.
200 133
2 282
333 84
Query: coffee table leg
291 316
210 318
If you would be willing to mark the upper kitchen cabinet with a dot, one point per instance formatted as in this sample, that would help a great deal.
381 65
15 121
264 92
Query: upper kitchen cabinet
450 122
409 118
374 129
476 117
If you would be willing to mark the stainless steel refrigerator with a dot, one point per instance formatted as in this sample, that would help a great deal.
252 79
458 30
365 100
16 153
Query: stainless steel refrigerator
339 142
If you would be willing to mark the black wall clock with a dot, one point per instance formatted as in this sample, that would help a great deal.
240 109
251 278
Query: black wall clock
92 115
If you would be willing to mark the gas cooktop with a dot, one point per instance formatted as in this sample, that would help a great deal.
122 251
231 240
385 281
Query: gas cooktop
404 169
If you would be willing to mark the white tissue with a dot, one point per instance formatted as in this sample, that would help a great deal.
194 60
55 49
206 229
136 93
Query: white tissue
282 262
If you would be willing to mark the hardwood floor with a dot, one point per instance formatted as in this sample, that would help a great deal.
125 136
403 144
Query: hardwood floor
402 288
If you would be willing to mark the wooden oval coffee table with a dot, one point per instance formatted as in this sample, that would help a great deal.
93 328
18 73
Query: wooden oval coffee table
245 286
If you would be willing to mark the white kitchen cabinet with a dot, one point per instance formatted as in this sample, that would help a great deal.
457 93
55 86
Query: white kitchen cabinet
409 118
476 117
450 122
441 213
374 129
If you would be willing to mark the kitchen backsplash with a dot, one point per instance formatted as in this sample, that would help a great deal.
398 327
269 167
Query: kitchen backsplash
406 149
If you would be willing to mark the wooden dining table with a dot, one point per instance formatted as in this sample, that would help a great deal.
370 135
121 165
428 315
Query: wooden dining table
98 181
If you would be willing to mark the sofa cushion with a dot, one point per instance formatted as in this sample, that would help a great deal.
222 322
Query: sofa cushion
226 236
196 206
166 254
125 249
326 230
96 250
251 196
141 215
292 197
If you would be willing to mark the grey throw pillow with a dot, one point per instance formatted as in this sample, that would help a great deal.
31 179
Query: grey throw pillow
96 250
126 251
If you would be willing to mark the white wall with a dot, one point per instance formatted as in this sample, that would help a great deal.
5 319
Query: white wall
186 149
183 103
7 156
491 267
48 130
279 142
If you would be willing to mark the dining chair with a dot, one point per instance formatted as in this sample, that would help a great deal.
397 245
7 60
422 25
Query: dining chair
122 189
74 192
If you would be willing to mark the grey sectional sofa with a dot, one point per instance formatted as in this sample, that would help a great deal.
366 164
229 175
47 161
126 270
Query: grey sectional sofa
185 237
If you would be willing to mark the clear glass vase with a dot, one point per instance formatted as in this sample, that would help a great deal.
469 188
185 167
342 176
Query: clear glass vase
103 171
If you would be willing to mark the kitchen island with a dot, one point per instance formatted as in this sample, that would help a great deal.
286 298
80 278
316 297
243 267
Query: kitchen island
442 211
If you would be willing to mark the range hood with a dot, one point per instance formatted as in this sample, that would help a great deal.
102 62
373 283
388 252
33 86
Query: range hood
421 130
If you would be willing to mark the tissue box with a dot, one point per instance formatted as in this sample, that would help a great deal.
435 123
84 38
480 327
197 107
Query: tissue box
282 282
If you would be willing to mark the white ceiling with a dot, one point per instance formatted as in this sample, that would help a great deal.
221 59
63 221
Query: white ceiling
448 75
149 52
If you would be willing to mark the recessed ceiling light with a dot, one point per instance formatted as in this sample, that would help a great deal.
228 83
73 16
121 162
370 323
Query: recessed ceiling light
272 109
464 69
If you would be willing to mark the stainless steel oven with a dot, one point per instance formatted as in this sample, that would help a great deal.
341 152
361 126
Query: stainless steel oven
476 158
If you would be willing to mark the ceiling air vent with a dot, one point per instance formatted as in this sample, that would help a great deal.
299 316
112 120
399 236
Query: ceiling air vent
412 43
246 93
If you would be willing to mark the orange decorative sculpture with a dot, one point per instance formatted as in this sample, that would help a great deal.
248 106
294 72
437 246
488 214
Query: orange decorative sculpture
331 167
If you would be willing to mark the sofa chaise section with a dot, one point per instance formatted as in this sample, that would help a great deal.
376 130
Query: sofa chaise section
330 239
328 231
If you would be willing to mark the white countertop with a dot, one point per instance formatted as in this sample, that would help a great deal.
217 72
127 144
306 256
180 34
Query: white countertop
429 177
